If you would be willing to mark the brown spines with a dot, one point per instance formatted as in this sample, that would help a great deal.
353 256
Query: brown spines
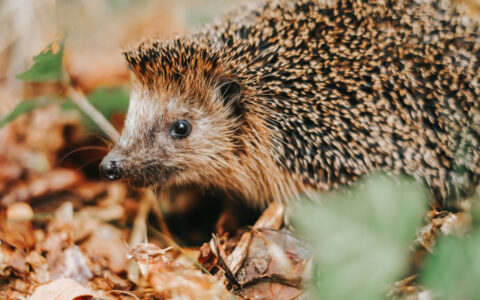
169 61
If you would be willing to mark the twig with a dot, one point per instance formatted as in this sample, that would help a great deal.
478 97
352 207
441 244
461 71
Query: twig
139 234
82 102
221 263
158 212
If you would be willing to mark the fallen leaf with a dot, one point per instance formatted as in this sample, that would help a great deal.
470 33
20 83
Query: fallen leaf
20 211
40 272
62 289
51 182
207 257
107 244
70 263
179 278
9 171
271 218
12 259
17 233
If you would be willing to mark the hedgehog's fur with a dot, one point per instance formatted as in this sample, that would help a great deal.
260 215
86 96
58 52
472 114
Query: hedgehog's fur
318 93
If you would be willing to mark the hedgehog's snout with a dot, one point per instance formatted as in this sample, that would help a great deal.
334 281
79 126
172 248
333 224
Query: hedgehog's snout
112 167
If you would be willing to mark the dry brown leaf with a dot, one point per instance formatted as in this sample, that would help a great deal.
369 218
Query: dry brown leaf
70 263
40 185
60 231
116 282
9 171
17 289
62 289
177 279
269 291
107 245
89 190
271 218
12 259
83 228
274 267
40 272
266 264
44 133
207 257
445 223
20 211
109 213
408 289
17 233
274 253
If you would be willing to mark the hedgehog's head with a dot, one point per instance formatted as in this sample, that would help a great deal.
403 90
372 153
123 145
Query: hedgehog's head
183 120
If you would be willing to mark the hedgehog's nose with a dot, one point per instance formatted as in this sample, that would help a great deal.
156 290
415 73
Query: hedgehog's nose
111 168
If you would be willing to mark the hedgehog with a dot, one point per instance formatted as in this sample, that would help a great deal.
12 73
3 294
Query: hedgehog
281 98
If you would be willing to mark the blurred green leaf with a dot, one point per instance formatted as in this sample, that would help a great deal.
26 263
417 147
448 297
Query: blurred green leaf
453 271
117 4
361 236
110 100
47 66
205 12
24 107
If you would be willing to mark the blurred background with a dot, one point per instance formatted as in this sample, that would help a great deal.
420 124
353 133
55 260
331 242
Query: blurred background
96 31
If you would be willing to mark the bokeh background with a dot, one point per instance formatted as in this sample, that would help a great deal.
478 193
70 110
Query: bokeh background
97 31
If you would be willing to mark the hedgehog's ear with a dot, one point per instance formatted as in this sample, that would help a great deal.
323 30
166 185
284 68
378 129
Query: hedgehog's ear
231 91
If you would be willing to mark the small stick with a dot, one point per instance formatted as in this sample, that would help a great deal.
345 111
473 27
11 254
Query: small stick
158 212
221 263
139 234
82 102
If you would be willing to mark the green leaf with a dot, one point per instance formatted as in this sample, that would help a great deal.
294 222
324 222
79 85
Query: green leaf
24 107
361 236
47 66
453 271
110 100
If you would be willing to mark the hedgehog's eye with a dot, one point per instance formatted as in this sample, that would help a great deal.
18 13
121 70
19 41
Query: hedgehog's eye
180 129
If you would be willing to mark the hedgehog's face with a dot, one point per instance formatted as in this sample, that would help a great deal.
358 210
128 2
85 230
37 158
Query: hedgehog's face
174 138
